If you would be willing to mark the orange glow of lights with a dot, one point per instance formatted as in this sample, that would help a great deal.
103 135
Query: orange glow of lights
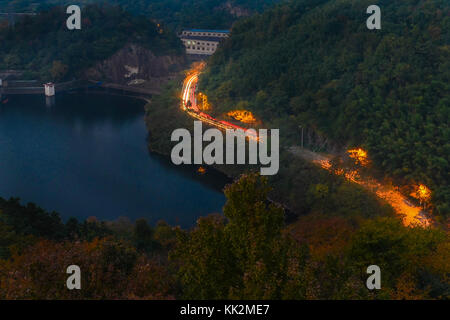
190 105
411 214
242 116
352 176
423 193
325 164
201 170
359 155
204 103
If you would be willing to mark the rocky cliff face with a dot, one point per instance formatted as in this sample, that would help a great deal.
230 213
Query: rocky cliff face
134 65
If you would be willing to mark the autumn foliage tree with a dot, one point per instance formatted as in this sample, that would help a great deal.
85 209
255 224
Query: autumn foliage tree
244 256
109 270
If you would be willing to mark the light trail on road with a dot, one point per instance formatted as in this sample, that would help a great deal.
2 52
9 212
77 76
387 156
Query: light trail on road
411 215
188 95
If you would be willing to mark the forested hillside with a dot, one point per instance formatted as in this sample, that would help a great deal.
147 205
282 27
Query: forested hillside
215 14
246 254
44 47
315 63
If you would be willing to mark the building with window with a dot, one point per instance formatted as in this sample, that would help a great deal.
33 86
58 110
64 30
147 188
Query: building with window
202 42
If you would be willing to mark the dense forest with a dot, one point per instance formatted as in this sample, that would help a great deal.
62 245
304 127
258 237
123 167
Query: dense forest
44 47
315 63
300 185
178 14
247 253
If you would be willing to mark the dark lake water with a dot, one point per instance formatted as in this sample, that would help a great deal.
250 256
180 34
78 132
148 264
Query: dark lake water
86 155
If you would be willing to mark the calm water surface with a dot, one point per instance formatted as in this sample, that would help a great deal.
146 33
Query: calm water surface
86 155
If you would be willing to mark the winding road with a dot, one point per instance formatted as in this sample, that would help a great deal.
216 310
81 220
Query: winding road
189 104
411 214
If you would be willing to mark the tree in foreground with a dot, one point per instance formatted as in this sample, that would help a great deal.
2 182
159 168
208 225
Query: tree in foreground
243 255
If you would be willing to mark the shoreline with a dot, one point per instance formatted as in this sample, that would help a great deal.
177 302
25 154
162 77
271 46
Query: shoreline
212 180
87 86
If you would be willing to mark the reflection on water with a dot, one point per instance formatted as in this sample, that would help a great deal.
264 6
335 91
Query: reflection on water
50 101
86 155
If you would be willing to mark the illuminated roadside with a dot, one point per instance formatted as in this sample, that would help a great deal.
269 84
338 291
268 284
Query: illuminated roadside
189 104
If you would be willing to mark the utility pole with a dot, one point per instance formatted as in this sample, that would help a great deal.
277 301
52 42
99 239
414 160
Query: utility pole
300 127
